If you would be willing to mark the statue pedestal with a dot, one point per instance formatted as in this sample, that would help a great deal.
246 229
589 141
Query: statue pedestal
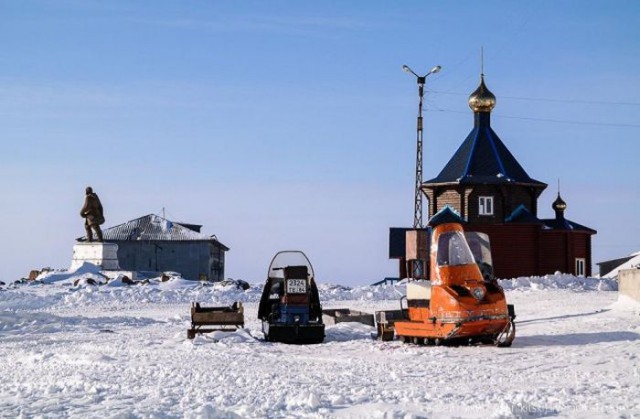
104 255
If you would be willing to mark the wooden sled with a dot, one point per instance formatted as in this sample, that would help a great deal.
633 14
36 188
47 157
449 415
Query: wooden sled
212 319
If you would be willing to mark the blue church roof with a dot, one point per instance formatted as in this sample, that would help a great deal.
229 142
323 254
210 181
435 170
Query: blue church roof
564 224
484 159
444 216
522 215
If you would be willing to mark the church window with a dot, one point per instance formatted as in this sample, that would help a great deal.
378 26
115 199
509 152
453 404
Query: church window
485 206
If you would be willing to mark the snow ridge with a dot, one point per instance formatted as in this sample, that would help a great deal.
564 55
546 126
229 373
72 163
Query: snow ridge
86 287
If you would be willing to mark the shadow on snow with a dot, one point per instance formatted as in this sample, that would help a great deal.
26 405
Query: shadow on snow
566 316
575 339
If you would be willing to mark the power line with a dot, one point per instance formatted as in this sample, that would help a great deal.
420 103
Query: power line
560 121
541 99
557 121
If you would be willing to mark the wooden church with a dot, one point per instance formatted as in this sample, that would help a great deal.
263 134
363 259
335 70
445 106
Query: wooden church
493 193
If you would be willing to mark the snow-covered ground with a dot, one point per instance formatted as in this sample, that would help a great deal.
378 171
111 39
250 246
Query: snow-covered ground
120 350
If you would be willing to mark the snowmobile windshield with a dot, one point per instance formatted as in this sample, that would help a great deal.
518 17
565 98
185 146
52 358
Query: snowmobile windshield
453 250
480 247
288 258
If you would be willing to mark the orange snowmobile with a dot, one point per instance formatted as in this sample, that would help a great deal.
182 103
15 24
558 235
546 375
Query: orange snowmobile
457 305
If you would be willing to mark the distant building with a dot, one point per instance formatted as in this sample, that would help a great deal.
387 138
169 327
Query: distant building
493 193
153 243
610 268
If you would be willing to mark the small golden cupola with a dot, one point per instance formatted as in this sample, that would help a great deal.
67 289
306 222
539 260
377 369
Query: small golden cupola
559 206
482 100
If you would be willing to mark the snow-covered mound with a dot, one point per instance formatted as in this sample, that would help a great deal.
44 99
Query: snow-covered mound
87 286
330 292
560 281
86 273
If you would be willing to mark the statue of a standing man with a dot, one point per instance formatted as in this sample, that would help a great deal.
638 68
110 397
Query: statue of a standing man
92 214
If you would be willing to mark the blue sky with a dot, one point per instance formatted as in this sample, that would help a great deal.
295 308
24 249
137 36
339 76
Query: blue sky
221 112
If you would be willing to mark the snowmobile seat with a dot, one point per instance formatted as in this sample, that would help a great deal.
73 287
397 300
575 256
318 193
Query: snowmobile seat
296 272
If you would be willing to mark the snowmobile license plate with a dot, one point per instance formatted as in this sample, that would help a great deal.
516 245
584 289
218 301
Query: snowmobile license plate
296 286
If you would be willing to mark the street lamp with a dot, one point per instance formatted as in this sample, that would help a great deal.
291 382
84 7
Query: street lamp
418 268
417 216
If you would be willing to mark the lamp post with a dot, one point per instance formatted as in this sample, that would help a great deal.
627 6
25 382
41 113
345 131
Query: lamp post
417 215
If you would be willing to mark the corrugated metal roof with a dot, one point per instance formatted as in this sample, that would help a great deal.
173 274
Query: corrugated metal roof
153 227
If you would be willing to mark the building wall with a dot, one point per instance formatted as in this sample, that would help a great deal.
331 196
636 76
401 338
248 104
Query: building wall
518 249
217 254
581 243
506 199
473 215
465 200
629 283
521 195
528 250
560 249
448 197
513 248
193 259
555 254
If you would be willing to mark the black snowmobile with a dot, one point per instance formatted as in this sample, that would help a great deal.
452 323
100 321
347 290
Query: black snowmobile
290 307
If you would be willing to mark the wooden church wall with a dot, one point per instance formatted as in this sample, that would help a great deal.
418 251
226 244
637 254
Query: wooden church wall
527 249
554 254
513 248
449 197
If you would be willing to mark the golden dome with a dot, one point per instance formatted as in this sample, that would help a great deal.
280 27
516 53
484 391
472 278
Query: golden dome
559 204
482 100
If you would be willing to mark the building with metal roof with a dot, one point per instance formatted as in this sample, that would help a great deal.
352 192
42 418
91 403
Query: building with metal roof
154 243
611 268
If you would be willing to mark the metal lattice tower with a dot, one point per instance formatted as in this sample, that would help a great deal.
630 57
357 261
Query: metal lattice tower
418 269
417 214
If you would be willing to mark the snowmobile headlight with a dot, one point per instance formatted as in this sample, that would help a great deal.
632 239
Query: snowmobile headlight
478 293
296 319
